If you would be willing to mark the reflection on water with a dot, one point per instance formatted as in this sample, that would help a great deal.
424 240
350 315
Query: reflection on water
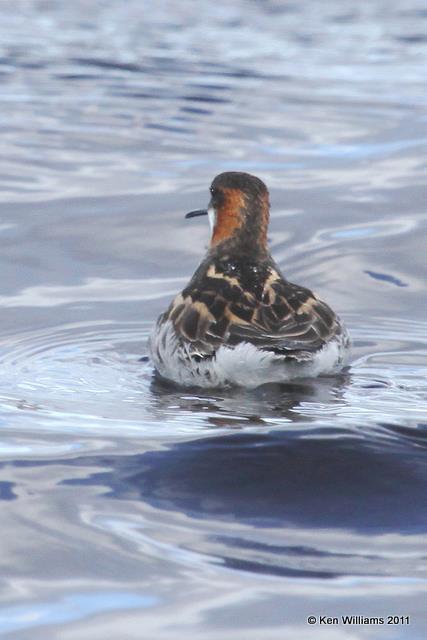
128 504
316 481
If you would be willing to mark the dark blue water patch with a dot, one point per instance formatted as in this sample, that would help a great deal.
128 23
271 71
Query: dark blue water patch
144 95
281 560
33 65
385 277
277 481
196 110
205 98
210 87
112 65
295 551
310 483
275 570
7 61
379 384
240 73
248 74
76 76
416 435
415 38
6 491
17 59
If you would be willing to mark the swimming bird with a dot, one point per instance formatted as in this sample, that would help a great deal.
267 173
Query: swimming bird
239 321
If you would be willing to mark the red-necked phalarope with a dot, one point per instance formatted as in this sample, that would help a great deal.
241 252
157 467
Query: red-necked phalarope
238 321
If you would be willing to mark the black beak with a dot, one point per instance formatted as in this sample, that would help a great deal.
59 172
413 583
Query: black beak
199 212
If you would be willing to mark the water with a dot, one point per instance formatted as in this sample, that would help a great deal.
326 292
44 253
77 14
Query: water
131 509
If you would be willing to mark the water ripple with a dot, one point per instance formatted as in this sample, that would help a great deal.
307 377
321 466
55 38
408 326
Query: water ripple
128 503
100 364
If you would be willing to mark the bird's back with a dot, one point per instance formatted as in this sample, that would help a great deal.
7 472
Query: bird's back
241 310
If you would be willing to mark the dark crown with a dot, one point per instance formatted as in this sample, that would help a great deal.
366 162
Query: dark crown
250 185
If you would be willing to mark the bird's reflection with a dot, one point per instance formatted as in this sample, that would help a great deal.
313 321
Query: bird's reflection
318 480
236 407
285 482
288 475
295 476
284 479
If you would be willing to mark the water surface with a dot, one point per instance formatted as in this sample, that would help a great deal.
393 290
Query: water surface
132 509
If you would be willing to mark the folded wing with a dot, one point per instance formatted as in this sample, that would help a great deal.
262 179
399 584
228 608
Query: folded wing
275 316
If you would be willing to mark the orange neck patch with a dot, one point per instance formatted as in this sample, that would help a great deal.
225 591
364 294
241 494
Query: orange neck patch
229 217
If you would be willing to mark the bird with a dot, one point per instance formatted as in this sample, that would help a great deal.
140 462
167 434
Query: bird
239 322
